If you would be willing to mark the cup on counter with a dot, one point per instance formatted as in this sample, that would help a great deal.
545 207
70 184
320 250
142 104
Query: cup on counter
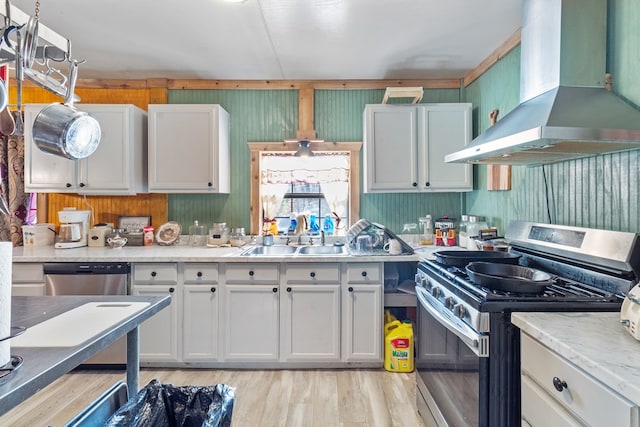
364 244
393 247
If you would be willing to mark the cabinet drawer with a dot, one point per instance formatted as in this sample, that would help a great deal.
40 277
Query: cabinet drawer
584 395
313 273
161 274
200 273
26 272
252 273
364 272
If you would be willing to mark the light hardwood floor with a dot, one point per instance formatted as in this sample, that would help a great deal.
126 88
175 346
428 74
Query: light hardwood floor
263 398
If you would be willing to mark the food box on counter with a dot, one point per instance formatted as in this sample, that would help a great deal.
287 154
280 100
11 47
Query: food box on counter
133 239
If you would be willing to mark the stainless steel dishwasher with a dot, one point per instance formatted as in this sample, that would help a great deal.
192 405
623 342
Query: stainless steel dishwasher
92 278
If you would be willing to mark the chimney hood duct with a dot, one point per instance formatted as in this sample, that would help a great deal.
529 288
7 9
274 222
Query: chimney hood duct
564 112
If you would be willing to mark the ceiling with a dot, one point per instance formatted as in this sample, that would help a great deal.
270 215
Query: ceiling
280 39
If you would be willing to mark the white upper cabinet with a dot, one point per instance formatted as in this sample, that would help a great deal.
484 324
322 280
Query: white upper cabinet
188 148
117 167
405 147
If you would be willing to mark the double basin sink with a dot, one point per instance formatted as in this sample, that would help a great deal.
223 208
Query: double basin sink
282 250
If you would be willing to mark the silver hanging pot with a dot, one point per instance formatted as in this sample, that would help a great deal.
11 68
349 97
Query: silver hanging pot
63 130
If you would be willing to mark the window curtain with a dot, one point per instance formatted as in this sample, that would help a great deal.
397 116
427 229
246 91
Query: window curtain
330 170
12 188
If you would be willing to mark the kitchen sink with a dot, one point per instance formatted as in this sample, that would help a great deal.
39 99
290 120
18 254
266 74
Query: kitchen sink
323 250
269 250
281 250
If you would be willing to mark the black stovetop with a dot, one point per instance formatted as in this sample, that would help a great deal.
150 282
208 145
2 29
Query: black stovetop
563 295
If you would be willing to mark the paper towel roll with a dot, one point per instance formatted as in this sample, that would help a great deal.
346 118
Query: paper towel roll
6 250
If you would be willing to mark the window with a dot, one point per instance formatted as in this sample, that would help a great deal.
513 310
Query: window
327 184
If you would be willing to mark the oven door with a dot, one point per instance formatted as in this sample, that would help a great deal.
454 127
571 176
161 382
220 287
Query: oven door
452 367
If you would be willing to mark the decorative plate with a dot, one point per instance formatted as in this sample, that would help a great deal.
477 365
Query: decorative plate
168 233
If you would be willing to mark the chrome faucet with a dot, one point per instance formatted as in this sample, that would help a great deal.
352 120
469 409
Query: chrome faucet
322 237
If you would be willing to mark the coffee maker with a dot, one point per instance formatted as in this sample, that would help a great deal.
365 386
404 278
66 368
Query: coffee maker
74 228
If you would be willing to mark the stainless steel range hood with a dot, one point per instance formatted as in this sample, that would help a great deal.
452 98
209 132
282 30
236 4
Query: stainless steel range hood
564 112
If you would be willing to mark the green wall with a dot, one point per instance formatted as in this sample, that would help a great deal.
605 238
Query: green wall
272 115
600 191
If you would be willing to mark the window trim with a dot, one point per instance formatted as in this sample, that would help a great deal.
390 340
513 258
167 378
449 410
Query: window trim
256 148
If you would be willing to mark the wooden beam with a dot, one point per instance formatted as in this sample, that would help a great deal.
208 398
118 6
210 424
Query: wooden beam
305 113
495 56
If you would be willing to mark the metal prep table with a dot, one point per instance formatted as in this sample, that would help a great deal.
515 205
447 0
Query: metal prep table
43 365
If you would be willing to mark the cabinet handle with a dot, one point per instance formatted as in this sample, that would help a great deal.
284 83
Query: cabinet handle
364 274
312 274
209 184
68 185
171 290
81 184
427 184
559 384
350 289
251 273
275 290
213 289
415 184
199 274
288 289
154 274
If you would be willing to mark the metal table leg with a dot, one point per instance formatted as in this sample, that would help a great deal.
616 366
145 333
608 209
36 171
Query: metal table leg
133 361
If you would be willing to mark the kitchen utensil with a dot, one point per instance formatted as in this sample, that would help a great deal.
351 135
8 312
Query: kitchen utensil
508 278
52 79
393 247
69 232
30 42
364 244
462 258
63 130
19 123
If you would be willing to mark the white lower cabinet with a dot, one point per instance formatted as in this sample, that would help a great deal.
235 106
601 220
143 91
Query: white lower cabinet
250 322
362 313
262 313
27 279
310 313
159 334
200 302
555 392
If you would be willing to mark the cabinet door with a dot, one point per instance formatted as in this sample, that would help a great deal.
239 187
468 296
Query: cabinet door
362 322
200 320
111 169
188 148
159 334
45 172
447 128
251 322
27 290
310 323
390 143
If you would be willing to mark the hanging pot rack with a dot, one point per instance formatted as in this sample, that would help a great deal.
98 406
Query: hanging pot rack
58 46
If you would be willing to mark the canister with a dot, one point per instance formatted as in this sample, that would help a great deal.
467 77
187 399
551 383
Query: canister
445 231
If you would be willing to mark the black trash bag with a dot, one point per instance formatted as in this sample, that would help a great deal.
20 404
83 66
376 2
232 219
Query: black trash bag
168 405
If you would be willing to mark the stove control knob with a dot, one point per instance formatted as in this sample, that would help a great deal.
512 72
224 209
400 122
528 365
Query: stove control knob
426 283
436 292
460 311
450 303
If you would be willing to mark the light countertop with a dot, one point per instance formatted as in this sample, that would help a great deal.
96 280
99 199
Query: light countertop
186 253
595 342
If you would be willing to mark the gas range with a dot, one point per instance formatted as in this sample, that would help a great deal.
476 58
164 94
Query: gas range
472 345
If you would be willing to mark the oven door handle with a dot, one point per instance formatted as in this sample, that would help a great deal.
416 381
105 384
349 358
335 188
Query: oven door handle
478 343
